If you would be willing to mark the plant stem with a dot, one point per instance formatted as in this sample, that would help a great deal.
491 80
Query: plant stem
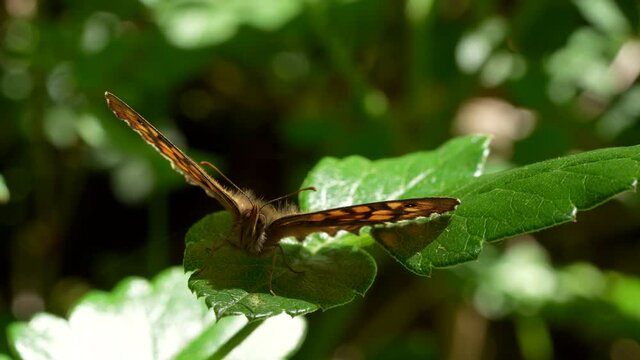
235 340
533 338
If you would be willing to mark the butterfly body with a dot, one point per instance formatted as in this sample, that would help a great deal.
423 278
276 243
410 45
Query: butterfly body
258 225
251 224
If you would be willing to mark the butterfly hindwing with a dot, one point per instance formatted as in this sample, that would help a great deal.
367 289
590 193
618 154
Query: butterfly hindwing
352 218
193 173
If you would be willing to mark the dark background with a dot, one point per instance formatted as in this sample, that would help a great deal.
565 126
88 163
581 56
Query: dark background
266 89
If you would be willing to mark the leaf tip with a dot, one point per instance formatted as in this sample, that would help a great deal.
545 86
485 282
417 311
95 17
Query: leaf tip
573 214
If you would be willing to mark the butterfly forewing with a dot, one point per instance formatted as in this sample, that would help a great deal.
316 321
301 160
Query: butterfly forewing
179 160
352 218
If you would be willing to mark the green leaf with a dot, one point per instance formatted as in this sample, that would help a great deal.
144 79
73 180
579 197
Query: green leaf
356 180
147 320
513 202
328 271
234 283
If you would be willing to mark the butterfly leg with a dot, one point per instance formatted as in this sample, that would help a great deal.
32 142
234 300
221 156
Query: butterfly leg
273 266
286 262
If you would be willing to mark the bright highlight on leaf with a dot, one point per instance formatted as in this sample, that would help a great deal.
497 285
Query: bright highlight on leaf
138 320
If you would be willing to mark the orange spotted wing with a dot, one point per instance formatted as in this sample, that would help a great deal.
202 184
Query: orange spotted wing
352 218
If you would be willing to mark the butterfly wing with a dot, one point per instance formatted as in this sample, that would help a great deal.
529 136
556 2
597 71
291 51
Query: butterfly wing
180 162
352 218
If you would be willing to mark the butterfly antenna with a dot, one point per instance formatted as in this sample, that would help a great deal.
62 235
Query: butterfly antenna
313 188
206 163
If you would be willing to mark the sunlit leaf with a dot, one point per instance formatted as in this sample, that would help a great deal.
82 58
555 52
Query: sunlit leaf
146 320
513 202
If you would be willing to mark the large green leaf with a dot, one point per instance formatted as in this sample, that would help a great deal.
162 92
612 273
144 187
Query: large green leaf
149 320
513 202
328 271
355 180
235 283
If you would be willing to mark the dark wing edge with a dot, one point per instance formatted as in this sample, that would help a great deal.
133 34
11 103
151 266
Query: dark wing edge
352 218
193 173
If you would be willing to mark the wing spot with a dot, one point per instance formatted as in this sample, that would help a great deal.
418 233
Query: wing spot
380 217
394 205
165 148
361 209
317 217
353 217
152 131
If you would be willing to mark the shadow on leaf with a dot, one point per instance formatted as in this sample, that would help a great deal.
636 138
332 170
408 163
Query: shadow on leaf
403 241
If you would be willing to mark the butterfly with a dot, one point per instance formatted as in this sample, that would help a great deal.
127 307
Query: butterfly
258 225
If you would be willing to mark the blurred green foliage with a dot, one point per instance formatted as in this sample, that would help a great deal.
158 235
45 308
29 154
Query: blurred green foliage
264 92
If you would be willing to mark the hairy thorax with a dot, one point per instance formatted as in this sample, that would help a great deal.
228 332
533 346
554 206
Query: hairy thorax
256 215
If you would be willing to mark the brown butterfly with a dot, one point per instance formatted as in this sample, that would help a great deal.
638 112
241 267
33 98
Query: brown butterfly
259 225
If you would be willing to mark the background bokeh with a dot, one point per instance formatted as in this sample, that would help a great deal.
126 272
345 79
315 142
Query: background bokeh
264 89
